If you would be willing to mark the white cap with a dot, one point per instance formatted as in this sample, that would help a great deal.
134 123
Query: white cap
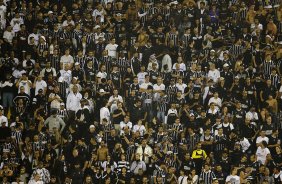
76 63
153 56
13 124
43 37
101 90
91 126
97 26
61 79
169 152
225 65
50 12
212 50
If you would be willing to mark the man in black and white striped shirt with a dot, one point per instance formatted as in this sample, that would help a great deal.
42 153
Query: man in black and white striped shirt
175 130
207 175
55 60
236 49
160 174
267 65
275 78
220 141
79 58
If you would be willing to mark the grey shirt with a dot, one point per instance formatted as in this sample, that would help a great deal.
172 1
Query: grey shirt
56 121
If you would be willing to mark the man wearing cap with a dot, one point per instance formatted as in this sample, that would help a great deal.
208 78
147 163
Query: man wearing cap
28 63
51 19
227 75
62 112
39 99
78 72
3 119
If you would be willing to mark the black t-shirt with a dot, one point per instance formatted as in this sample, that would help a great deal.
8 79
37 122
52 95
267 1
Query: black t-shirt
118 119
136 114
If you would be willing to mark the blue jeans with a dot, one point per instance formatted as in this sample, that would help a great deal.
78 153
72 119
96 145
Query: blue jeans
161 116
7 99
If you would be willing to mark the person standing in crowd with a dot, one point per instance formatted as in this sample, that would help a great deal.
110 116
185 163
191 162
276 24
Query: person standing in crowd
54 122
73 102
199 157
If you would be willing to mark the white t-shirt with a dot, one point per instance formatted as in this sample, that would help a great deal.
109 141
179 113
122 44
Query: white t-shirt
3 10
16 23
140 128
233 179
40 85
182 67
278 175
26 86
252 116
216 101
181 87
66 75
25 64
183 180
67 23
114 100
214 75
261 154
96 12
66 60
157 88
260 139
141 77
102 75
9 36
55 103
4 119
112 50
145 85
35 36
123 124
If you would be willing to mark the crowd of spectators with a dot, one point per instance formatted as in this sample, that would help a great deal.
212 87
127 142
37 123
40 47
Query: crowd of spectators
140 91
